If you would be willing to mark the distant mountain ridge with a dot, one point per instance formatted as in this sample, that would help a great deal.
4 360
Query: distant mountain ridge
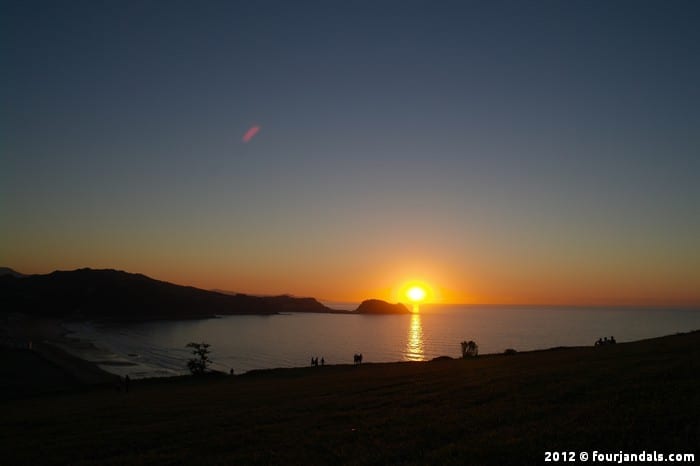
112 295
9 271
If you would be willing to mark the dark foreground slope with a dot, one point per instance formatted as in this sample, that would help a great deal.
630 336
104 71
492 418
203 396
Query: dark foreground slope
491 410
87 294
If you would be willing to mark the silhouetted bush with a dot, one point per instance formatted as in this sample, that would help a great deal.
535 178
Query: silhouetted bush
198 365
469 349
510 351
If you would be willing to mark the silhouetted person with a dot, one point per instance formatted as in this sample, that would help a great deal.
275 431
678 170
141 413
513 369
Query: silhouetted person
612 340
599 342
605 340
231 371
312 361
323 361
127 382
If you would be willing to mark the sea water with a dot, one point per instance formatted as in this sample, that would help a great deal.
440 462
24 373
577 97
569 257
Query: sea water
244 343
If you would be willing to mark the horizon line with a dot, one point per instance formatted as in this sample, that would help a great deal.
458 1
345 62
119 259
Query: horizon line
325 301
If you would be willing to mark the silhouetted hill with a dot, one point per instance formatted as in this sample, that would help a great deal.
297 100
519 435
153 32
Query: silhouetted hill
377 306
288 303
87 294
9 271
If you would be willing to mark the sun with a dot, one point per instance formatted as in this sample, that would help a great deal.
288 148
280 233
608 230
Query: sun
416 294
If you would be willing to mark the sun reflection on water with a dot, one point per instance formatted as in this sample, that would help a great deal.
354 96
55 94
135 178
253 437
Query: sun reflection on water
414 343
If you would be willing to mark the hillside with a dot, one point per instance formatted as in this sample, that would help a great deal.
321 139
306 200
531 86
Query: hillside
112 295
630 397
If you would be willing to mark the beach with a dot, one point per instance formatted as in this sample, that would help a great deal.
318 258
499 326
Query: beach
41 357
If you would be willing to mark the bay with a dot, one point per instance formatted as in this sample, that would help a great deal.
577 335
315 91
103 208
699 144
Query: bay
244 343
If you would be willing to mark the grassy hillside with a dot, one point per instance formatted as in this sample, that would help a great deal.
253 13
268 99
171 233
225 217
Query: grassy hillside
491 410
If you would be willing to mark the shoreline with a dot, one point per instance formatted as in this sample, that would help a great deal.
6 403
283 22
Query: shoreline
88 365
46 341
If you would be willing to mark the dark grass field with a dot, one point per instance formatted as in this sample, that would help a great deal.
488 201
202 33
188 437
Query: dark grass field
44 377
491 410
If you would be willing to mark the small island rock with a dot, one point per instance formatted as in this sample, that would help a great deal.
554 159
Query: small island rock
377 306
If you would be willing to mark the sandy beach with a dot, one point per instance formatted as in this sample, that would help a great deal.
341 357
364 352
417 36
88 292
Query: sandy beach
41 357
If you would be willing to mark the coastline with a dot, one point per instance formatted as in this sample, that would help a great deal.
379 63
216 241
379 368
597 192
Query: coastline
43 345
286 341
495 409
81 361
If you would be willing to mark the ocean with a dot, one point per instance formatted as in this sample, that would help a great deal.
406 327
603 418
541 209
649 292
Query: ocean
244 343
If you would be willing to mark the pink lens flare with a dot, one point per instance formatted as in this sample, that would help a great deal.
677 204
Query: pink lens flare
251 133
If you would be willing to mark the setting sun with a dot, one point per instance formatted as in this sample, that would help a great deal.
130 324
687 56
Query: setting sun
416 294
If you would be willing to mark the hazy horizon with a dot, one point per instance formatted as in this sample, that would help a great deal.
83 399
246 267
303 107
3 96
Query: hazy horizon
350 305
495 152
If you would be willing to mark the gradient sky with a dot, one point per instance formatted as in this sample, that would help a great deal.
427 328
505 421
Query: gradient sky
501 152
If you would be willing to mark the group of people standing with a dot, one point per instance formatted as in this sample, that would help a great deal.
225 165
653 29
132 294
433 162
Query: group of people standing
123 384
605 341
314 361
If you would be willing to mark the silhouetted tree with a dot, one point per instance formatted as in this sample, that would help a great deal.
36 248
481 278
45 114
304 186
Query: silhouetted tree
198 364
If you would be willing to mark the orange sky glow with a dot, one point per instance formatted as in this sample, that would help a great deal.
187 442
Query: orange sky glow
476 282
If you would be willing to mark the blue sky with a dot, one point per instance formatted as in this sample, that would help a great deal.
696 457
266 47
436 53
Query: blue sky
503 151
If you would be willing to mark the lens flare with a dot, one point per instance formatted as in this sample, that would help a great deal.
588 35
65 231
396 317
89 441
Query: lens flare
251 133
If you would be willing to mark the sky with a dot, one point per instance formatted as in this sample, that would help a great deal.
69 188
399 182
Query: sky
497 152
